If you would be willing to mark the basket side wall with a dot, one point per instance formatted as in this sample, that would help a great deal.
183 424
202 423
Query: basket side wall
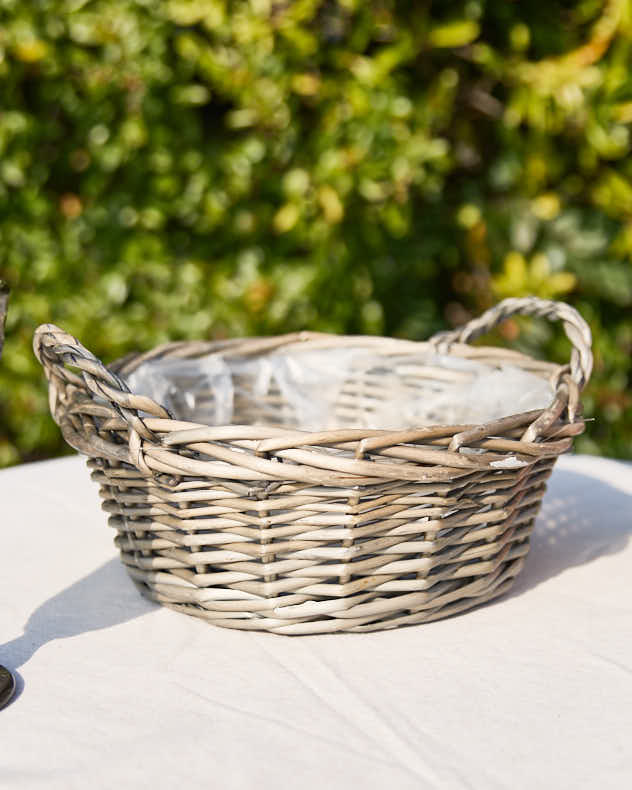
317 559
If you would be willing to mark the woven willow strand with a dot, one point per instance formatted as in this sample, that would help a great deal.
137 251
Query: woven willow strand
264 526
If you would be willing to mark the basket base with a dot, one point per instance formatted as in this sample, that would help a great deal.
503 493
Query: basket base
494 588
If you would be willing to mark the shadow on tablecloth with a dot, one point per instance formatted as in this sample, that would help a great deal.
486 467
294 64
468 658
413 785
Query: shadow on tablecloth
582 518
102 599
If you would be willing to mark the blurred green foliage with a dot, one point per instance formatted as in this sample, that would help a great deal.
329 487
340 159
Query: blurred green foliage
195 168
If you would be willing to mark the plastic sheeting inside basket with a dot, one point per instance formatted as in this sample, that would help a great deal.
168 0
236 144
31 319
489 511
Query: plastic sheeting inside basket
351 387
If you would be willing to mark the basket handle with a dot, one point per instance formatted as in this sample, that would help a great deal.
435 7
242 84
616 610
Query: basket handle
577 331
93 386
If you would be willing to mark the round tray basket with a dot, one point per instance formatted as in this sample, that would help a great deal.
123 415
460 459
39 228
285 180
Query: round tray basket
265 527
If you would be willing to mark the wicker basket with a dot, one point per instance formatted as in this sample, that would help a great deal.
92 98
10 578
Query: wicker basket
270 528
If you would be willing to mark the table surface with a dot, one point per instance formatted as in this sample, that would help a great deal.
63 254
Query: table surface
533 690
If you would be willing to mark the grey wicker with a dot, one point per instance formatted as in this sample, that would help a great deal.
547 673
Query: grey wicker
266 527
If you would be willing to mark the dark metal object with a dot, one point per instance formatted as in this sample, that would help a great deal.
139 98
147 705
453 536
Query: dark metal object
4 298
7 686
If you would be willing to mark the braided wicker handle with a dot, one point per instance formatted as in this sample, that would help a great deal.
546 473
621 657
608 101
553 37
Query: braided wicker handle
571 379
577 330
58 352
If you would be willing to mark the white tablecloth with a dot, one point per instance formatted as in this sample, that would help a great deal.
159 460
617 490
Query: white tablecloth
531 691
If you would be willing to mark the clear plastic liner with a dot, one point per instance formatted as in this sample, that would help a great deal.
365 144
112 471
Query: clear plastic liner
334 388
194 390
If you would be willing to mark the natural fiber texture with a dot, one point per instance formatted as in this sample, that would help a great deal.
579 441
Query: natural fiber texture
270 528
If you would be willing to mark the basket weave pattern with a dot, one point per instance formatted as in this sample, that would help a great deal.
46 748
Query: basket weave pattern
269 528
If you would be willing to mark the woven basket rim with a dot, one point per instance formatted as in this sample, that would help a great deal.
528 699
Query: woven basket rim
306 341
259 345
99 389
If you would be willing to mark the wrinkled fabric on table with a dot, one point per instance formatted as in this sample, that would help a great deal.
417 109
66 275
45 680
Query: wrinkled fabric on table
533 690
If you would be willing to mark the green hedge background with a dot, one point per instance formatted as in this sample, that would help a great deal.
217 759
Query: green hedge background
175 169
